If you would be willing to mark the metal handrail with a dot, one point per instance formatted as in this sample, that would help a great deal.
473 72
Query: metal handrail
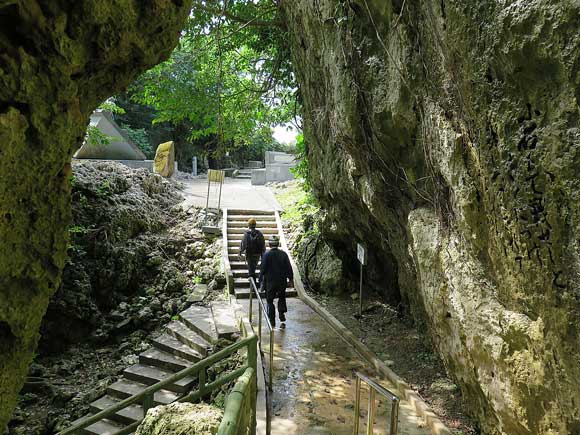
146 397
254 290
374 387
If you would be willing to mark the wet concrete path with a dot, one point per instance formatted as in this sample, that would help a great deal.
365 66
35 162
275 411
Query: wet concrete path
236 194
314 382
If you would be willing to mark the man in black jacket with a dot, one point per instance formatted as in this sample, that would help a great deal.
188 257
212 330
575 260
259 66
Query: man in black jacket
274 272
253 245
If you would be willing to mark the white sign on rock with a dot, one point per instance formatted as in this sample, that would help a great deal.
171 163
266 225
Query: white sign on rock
361 254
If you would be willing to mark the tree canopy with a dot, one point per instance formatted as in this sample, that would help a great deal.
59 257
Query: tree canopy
229 79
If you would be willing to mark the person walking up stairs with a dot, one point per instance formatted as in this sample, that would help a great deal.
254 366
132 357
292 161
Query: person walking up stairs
274 272
253 246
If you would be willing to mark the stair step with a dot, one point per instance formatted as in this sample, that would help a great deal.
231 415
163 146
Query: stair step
184 334
172 345
245 282
200 319
225 319
242 273
101 427
241 283
244 219
244 224
244 293
234 212
265 230
124 388
151 375
236 264
126 416
163 360
260 223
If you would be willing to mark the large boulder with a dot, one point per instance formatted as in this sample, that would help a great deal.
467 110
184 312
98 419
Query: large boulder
58 62
181 419
320 266
446 136
165 159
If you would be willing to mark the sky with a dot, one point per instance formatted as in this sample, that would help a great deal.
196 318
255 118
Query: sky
285 133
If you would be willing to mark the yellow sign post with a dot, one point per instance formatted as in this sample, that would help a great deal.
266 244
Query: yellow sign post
214 176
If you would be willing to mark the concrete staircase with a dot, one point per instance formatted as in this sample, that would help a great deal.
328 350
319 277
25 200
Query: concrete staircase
244 173
237 224
183 342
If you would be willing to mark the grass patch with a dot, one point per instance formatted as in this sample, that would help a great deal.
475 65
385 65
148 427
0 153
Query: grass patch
298 204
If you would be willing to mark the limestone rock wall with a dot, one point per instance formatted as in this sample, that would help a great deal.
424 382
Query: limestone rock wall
58 61
445 135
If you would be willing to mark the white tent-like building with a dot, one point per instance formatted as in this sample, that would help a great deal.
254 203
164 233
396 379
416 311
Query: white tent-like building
121 146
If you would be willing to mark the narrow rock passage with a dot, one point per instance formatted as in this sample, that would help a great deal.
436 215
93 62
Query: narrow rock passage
314 381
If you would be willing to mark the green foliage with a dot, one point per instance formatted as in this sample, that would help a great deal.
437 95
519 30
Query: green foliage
96 137
77 229
104 189
298 203
229 79
110 105
141 139
300 210
301 170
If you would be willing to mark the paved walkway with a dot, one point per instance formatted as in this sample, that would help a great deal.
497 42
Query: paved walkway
236 194
314 383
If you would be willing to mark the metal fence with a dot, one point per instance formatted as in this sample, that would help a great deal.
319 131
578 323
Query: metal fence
374 388
263 313
199 369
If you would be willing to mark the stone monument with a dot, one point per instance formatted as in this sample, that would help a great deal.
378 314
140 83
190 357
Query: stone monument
164 163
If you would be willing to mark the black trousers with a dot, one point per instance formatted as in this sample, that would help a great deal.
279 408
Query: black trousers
279 293
252 262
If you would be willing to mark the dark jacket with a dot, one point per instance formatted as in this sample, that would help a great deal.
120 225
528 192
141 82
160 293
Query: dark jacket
246 240
275 270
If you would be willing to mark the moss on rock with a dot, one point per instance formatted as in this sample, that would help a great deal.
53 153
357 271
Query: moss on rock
58 61
446 135
182 419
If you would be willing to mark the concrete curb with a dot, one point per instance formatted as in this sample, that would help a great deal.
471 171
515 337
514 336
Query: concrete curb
403 388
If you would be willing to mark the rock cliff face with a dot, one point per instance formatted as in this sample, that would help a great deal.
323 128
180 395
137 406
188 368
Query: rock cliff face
446 135
58 61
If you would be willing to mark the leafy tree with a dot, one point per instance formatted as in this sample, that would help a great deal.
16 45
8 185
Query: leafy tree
229 80
302 170
141 139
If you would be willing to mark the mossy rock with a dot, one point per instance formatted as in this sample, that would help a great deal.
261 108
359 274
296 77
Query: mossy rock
165 159
181 419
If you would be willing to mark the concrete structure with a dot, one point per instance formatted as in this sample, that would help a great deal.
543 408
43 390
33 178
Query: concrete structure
278 167
254 164
259 177
121 146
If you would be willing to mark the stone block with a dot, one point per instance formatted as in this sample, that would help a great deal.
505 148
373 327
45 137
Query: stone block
258 177
199 292
164 163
